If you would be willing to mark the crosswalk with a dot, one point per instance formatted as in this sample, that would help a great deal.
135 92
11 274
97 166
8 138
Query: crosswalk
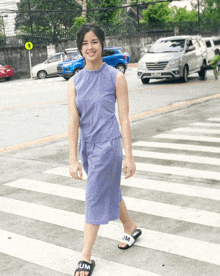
176 185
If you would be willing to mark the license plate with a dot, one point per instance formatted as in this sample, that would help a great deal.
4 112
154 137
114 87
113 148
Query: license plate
8 70
156 74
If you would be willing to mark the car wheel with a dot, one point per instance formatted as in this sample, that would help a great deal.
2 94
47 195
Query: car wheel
76 71
42 74
185 74
7 78
145 81
120 67
202 72
66 78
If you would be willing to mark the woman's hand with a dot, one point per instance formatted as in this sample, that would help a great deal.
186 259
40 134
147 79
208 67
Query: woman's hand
75 170
129 167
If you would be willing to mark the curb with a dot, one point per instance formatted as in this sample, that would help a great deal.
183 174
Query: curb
132 65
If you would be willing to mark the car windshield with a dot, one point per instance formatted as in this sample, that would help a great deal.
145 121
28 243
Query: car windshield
166 46
72 54
76 57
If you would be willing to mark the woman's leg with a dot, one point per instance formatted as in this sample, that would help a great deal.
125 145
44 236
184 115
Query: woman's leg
128 224
90 234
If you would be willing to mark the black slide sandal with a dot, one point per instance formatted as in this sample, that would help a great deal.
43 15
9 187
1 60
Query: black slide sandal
85 266
130 239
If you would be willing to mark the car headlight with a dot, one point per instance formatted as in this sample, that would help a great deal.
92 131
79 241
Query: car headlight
141 64
175 62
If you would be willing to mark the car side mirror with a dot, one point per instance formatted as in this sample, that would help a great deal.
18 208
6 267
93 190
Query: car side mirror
190 48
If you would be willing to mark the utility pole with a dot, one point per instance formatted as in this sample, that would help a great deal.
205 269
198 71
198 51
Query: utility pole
137 16
198 12
29 7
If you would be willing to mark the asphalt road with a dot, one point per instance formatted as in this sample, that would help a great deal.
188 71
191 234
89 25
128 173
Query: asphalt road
173 197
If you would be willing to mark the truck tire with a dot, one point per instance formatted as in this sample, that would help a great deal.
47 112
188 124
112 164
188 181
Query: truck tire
184 78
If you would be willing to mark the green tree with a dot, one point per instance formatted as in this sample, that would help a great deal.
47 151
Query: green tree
183 15
106 17
49 18
157 13
211 11
79 21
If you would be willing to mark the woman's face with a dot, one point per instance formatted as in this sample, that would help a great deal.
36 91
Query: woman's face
91 47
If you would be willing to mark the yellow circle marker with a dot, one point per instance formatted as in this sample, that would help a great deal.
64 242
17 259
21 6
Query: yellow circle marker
28 45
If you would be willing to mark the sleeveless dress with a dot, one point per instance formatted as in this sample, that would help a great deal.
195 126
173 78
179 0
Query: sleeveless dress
99 142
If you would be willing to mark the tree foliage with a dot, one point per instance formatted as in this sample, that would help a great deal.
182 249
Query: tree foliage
46 17
183 15
211 10
157 13
55 18
162 12
109 16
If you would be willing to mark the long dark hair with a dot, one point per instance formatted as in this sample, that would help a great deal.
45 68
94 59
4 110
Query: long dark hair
86 28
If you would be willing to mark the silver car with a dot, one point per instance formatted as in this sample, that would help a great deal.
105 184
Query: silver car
173 57
49 66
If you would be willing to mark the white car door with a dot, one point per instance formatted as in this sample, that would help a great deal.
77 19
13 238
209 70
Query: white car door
199 55
190 56
51 66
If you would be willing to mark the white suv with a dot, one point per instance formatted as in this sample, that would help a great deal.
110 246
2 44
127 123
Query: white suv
49 66
173 57
212 43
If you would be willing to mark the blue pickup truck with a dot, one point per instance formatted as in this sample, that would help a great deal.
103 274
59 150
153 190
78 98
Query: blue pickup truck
112 56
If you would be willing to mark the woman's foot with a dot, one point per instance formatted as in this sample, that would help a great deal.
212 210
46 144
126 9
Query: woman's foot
128 229
87 259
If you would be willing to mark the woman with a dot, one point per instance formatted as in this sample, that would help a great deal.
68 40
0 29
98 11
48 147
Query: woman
91 102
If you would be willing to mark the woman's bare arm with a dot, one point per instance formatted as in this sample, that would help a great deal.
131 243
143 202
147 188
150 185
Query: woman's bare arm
73 130
123 111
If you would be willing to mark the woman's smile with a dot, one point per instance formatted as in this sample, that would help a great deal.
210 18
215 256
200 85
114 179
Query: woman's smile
91 54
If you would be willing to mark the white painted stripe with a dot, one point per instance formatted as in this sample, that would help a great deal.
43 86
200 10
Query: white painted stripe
189 137
133 204
214 119
197 130
174 188
168 187
147 167
177 157
58 258
63 171
205 124
177 146
187 247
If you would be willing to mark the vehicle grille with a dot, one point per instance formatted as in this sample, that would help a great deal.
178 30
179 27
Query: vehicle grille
156 66
59 69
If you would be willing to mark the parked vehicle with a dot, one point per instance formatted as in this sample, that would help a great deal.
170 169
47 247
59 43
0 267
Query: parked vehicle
112 56
49 66
6 72
212 43
173 57
145 49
